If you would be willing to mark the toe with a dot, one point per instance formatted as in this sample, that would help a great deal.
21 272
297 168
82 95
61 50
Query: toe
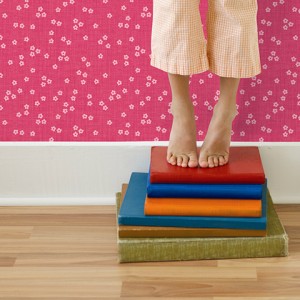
226 159
169 155
203 163
185 161
179 161
216 161
173 160
193 162
211 163
221 160
203 159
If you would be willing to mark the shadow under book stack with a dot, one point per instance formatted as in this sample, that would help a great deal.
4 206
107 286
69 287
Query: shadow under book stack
175 213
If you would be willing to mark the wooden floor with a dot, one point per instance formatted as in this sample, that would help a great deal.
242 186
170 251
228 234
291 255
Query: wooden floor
71 253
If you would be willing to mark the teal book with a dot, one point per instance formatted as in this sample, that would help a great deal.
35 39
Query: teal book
275 243
132 212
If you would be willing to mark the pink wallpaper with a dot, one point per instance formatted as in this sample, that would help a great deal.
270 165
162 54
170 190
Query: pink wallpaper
80 71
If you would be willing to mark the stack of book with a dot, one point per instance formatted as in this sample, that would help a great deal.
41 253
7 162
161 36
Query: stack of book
175 213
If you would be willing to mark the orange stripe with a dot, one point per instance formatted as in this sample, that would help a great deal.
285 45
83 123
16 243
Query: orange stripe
203 207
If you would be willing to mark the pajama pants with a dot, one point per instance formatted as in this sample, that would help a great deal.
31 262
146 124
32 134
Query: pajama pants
178 44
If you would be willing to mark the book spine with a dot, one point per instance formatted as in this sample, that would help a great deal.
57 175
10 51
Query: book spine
197 222
202 207
157 177
186 233
143 250
222 191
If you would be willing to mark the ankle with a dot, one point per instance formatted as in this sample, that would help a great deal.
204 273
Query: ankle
182 108
225 110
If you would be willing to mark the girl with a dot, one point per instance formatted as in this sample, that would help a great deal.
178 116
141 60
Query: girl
179 48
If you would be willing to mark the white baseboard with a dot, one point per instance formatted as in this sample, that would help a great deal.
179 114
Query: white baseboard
91 173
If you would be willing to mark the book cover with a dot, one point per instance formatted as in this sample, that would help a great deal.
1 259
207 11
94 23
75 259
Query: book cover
179 232
203 207
275 243
244 167
202 190
132 212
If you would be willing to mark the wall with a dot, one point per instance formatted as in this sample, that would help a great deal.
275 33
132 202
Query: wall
91 173
80 71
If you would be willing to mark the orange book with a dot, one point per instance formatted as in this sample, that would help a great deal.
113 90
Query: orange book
202 207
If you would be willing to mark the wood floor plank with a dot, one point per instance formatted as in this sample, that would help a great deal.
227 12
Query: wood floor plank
58 210
151 298
65 259
7 261
209 288
125 272
38 246
104 298
289 218
94 259
279 274
258 298
57 220
191 263
293 260
60 288
287 208
60 298
40 297
294 245
90 233
15 232
293 231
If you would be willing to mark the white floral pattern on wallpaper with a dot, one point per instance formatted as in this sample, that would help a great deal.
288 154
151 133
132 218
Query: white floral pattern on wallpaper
80 71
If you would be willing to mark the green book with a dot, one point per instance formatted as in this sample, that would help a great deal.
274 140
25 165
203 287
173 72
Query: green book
275 243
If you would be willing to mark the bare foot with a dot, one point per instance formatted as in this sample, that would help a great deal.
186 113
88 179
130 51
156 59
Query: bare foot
182 149
215 149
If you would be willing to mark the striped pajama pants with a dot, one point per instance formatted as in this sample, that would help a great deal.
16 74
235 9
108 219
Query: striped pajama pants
178 44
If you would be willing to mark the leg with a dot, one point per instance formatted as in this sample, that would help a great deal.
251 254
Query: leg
182 150
215 148
178 47
233 53
232 38
178 44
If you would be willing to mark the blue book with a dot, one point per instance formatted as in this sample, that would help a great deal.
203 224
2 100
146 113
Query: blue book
132 211
183 190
